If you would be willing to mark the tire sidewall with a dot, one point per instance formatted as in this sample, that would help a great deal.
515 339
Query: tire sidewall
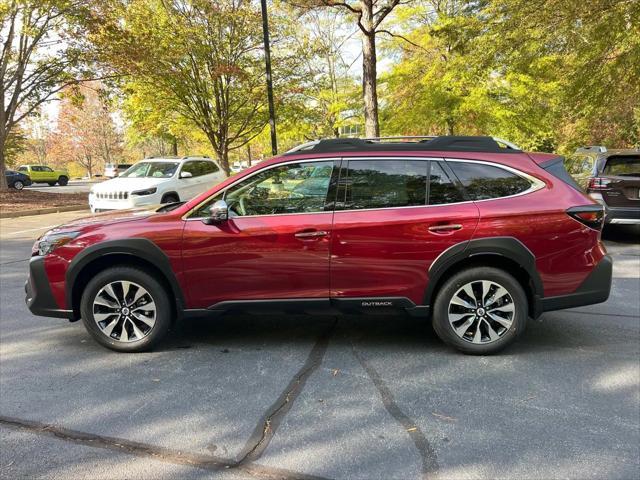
18 185
63 181
142 278
441 309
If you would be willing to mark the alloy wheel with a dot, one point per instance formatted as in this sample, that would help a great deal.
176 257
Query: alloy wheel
124 311
481 311
18 185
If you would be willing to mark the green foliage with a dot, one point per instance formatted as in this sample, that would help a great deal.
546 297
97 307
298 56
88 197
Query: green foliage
546 75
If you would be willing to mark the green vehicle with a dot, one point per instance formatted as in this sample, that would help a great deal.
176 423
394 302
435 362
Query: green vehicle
44 174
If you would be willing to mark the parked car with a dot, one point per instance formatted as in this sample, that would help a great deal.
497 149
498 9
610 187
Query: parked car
237 167
17 180
612 178
472 236
44 174
154 181
112 170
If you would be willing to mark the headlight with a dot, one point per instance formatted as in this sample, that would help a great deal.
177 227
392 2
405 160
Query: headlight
148 191
49 242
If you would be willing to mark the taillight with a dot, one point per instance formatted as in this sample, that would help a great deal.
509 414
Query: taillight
599 183
590 215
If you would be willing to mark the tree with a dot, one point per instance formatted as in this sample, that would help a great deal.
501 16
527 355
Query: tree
323 95
39 58
204 57
368 15
86 132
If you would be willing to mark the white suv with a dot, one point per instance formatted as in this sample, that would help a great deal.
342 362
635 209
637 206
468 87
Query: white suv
156 180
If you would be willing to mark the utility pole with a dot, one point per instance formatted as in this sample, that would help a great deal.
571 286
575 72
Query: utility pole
267 61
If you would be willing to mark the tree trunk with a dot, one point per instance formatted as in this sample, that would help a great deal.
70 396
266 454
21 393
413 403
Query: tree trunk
174 146
249 153
3 178
369 73
223 158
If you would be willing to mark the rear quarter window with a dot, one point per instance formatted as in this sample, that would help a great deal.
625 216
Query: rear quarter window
483 182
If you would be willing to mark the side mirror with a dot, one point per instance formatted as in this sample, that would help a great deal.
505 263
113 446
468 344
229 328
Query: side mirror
218 213
185 174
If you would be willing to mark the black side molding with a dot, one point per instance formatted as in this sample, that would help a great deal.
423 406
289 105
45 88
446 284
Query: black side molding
314 306
39 298
507 247
141 248
595 289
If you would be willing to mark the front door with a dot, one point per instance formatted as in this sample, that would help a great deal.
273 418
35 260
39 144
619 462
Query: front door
390 224
275 244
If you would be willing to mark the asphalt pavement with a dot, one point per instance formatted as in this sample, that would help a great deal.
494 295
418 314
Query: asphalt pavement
320 397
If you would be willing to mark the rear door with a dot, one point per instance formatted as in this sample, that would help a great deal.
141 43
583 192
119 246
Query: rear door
623 173
390 224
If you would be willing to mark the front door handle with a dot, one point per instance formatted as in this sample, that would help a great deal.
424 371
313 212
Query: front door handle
311 234
445 228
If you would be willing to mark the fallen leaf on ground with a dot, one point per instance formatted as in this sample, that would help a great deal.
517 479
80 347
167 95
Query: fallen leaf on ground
336 371
412 429
444 417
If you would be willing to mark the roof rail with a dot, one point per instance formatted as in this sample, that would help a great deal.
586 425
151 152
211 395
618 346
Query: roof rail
427 143
592 149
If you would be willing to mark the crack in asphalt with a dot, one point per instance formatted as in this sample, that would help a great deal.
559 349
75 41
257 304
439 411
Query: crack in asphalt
167 455
427 453
268 425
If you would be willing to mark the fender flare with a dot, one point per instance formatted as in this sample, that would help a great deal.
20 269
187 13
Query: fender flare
142 248
506 247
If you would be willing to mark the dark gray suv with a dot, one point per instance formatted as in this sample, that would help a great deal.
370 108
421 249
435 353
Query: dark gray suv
612 178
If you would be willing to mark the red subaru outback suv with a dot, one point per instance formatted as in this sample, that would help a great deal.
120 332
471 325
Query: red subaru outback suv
475 236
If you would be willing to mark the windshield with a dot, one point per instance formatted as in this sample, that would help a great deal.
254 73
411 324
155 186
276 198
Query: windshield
151 169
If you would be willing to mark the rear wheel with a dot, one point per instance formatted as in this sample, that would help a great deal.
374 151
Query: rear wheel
18 185
480 310
170 198
126 309
62 181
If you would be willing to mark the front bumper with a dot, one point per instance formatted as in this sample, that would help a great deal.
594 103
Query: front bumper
623 216
39 298
595 289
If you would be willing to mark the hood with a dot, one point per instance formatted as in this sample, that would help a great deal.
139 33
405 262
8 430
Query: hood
107 218
126 184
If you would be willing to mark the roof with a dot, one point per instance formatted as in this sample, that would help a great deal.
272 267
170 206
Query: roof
448 143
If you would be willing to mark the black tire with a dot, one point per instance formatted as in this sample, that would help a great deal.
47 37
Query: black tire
157 292
170 198
51 184
445 329
62 181
18 185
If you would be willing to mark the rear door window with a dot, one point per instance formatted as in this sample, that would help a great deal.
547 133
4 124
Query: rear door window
442 188
623 166
483 182
370 183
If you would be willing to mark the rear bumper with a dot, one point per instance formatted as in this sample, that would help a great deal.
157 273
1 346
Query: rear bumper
595 289
39 298
623 215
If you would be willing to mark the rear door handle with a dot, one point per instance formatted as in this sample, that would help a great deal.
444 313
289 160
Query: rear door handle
445 228
308 235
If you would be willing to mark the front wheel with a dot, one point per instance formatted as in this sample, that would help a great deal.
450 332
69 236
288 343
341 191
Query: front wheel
18 185
480 310
51 184
126 309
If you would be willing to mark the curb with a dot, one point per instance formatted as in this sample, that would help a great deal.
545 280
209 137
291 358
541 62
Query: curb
43 211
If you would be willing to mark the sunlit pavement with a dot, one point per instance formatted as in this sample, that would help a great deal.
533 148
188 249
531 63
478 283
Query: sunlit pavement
74 186
320 397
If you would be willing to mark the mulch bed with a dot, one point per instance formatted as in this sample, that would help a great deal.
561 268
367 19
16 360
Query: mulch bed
27 200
